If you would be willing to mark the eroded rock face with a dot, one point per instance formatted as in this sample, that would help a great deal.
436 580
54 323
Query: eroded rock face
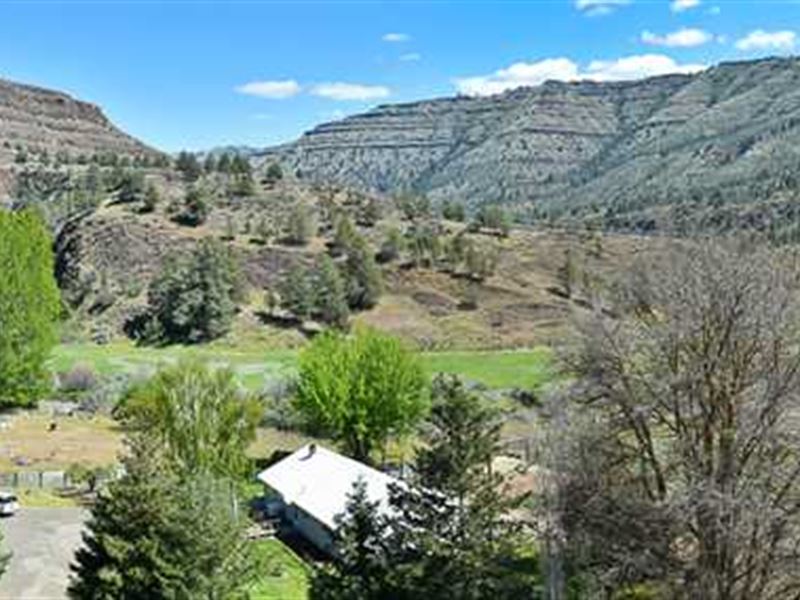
726 133
501 145
35 117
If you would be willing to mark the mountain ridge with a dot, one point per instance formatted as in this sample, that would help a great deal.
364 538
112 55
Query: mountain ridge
561 147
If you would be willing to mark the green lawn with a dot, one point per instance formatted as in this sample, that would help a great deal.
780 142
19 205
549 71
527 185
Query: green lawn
256 366
282 574
527 369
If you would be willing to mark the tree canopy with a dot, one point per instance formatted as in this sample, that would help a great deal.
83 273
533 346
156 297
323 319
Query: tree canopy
678 442
361 389
161 533
194 297
201 418
29 308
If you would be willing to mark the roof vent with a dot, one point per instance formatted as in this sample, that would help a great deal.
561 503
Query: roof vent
312 448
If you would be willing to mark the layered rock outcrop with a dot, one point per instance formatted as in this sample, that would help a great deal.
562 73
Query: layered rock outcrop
727 134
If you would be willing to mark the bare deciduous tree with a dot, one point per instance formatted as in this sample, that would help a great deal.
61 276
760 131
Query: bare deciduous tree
680 452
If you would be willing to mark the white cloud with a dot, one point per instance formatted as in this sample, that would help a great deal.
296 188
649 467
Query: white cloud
637 67
682 5
518 75
563 69
595 8
396 37
270 89
350 91
768 40
410 57
683 38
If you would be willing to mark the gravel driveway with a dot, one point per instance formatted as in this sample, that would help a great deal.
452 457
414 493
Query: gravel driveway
43 541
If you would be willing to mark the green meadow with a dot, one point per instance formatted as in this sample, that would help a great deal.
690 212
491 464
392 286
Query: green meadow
256 366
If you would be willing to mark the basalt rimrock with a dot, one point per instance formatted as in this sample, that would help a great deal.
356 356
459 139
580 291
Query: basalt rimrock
730 134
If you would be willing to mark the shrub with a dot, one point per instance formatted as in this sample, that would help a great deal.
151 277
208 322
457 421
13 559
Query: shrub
195 208
453 211
81 378
300 226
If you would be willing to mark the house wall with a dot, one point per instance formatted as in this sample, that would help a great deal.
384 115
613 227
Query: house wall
311 529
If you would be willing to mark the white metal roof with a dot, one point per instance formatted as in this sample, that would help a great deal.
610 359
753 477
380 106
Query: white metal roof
319 481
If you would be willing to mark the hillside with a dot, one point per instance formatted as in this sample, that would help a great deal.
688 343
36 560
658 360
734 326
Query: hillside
106 260
37 120
619 150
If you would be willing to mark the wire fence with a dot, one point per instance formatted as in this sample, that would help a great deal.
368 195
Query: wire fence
47 480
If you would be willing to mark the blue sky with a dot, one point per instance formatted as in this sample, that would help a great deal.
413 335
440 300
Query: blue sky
199 74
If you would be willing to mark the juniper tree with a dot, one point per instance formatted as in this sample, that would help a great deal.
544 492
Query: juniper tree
195 208
194 297
210 163
296 293
274 173
132 187
345 235
363 277
330 300
151 199
300 226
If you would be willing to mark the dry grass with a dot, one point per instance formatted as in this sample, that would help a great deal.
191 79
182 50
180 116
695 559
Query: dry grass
93 442
27 444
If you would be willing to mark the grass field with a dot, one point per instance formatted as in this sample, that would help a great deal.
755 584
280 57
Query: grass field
282 574
255 366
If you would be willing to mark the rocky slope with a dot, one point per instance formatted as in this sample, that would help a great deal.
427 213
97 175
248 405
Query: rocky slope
729 134
36 119
40 118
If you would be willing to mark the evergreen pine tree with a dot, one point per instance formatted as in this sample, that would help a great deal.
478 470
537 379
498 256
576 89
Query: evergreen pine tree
361 570
194 298
330 301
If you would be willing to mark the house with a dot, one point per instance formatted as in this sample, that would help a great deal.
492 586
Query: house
310 487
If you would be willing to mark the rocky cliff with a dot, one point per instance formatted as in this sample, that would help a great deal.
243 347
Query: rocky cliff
729 134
